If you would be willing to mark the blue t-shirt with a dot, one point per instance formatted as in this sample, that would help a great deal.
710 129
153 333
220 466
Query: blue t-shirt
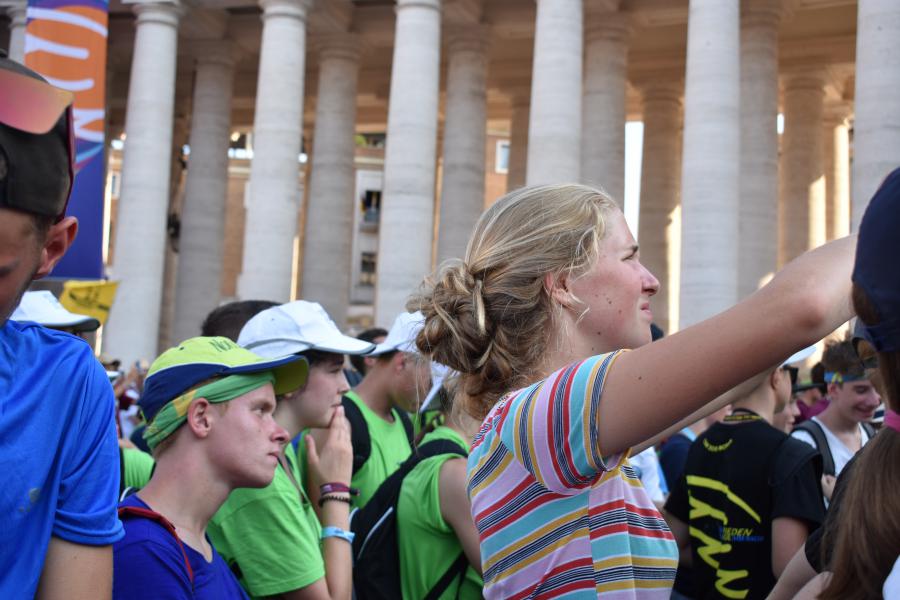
148 563
59 457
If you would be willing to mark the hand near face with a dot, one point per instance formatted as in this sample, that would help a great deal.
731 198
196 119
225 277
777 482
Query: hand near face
333 463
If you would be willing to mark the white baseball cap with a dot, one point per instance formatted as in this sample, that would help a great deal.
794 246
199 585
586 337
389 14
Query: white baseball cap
43 308
439 373
295 327
800 355
402 335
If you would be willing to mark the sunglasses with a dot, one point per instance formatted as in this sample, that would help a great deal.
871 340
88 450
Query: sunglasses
34 106
793 372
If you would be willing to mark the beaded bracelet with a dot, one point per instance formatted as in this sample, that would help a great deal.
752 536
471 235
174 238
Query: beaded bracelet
337 532
341 488
327 497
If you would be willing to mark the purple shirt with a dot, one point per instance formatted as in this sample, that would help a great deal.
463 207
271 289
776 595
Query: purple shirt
808 412
148 563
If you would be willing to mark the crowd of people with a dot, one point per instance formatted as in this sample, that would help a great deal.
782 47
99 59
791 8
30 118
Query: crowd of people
524 431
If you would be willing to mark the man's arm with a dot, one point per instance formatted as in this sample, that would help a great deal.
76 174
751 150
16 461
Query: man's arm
788 536
797 574
682 537
76 571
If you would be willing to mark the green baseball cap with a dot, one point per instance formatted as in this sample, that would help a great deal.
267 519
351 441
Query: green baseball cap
197 359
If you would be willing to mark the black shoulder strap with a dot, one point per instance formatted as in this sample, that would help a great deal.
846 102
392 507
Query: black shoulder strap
407 426
145 513
456 570
818 436
121 473
359 433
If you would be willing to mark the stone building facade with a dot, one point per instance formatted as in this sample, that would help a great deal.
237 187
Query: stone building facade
410 104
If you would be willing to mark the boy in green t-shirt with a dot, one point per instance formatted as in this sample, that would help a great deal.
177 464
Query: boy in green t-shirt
271 537
397 379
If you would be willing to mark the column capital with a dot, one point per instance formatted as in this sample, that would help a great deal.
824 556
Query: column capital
296 9
661 90
761 13
165 13
223 51
601 6
837 113
519 95
17 14
433 4
809 78
471 38
339 45
609 25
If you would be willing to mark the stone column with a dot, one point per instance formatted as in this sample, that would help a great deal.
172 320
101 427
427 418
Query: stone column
329 217
837 174
660 221
710 183
758 241
133 326
203 215
603 110
17 21
520 103
272 196
407 210
554 132
802 218
876 125
462 181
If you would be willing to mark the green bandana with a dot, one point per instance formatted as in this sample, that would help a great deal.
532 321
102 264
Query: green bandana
171 416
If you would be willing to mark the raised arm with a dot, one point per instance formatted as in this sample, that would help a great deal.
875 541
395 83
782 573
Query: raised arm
651 388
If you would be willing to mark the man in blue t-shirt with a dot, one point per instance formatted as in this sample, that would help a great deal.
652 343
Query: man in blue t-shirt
58 450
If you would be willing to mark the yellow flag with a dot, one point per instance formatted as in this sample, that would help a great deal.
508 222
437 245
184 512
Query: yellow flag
93 298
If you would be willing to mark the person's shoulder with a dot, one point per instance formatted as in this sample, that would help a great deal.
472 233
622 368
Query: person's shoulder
791 455
31 342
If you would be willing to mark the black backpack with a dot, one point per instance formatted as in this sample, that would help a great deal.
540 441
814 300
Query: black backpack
359 432
818 436
376 557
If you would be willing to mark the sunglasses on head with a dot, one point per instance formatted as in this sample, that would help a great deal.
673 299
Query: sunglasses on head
35 107
793 372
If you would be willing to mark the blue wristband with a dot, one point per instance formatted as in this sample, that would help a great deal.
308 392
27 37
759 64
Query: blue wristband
337 532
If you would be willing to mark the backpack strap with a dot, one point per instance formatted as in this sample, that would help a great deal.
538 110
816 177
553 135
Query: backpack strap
454 571
869 429
359 433
818 436
121 473
145 513
407 426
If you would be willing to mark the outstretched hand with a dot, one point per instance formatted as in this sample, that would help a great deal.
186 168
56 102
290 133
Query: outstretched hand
334 463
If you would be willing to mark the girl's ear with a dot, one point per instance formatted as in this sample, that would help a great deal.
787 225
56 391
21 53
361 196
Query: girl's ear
557 286
200 417
773 378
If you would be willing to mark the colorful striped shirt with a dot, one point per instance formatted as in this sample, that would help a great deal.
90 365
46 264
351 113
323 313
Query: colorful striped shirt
556 519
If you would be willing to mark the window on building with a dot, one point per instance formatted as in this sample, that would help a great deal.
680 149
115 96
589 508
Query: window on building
370 205
367 269
240 146
501 157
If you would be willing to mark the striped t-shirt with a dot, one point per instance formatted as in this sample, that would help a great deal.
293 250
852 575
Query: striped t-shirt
553 519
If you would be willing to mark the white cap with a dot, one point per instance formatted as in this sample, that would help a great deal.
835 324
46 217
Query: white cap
44 309
800 355
294 327
402 335
439 373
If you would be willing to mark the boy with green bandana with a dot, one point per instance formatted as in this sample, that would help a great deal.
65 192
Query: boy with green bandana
271 537
209 405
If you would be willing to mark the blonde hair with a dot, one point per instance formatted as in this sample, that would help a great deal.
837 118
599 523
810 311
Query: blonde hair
489 316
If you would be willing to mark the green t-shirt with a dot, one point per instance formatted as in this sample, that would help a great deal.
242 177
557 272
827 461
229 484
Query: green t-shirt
272 533
427 543
137 466
390 447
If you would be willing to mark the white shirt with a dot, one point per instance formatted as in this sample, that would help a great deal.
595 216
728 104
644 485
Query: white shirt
646 464
840 453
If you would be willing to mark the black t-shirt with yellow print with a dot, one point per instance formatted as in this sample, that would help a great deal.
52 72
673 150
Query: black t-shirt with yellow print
741 475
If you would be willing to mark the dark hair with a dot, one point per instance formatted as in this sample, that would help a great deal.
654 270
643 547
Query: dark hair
228 319
870 510
315 357
840 357
369 335
817 373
